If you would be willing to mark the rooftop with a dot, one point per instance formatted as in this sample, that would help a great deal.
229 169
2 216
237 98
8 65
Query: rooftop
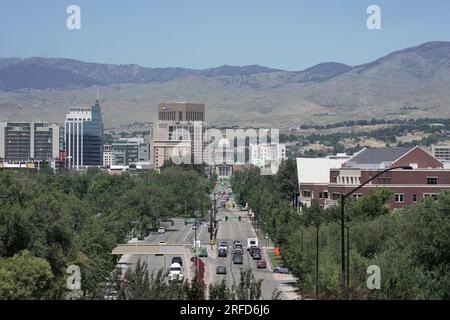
378 155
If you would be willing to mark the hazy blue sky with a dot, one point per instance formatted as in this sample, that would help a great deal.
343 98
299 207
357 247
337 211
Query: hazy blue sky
287 34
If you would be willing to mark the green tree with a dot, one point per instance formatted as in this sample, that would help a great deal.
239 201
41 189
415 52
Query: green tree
25 277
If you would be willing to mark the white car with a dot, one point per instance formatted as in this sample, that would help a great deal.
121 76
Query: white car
162 243
161 230
175 273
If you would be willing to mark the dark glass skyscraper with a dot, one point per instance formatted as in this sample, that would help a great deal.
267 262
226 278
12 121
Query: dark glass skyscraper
84 136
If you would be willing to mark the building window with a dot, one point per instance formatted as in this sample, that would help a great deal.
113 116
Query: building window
399 197
320 195
335 196
432 180
307 194
414 197
325 195
434 196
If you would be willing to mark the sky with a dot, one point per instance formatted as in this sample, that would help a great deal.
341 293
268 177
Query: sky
199 34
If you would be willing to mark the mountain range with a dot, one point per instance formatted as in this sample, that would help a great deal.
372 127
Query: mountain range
409 83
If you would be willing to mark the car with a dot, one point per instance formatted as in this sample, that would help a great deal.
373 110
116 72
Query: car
281 269
223 245
162 243
254 250
257 256
261 264
238 258
221 270
238 250
161 230
177 260
222 253
202 252
237 242
175 272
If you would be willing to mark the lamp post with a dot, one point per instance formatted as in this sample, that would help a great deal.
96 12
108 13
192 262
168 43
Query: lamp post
345 278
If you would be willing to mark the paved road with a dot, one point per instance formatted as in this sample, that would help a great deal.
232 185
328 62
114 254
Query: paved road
229 231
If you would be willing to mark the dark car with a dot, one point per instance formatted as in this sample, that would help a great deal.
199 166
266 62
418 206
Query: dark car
238 259
261 264
222 253
177 260
281 269
254 250
257 256
221 270
238 250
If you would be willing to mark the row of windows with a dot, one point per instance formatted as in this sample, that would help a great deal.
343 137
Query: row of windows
398 197
381 180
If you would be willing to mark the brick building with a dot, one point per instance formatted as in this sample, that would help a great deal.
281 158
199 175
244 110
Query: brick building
427 178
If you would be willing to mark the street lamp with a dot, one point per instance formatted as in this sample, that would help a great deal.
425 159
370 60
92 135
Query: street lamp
343 197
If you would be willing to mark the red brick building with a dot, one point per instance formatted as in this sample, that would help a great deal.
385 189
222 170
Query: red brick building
427 179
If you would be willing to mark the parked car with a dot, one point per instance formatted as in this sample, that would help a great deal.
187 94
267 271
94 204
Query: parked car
162 243
221 270
281 269
177 260
261 264
161 230
223 245
238 258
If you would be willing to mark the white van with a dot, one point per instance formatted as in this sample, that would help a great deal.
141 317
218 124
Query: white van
252 243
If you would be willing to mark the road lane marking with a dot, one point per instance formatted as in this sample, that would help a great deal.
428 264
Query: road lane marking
187 235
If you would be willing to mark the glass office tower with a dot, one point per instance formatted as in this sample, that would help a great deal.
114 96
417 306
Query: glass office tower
83 137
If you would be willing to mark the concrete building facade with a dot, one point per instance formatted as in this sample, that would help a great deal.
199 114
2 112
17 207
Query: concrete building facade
29 142
179 134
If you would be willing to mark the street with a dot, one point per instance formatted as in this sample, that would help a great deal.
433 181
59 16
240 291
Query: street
228 231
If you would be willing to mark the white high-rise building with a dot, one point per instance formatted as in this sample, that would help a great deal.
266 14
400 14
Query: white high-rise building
265 155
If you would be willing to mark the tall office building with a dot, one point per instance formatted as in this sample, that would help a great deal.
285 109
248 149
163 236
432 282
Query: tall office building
83 137
179 132
28 142
130 151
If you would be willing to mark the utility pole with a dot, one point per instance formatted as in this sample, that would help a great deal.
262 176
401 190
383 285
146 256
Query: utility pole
215 210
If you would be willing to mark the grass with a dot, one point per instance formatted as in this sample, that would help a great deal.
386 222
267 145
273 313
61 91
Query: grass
274 260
